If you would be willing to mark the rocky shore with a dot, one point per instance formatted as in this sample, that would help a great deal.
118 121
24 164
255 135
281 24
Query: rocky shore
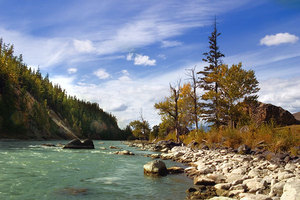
233 174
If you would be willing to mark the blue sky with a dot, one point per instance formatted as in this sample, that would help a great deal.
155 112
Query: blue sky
123 54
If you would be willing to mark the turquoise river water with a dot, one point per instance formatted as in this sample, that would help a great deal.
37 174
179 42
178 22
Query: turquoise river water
31 171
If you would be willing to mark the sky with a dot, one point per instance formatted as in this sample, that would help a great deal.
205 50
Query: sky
124 54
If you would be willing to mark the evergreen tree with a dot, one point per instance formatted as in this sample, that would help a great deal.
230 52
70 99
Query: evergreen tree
208 82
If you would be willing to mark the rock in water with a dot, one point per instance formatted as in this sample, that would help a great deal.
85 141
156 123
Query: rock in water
77 144
175 170
125 152
155 168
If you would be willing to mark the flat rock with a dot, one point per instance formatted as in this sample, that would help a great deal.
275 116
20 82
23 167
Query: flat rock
202 180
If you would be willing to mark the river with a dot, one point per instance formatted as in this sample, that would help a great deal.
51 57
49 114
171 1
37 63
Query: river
31 171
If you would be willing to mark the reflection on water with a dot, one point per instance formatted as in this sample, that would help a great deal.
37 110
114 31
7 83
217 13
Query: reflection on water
32 171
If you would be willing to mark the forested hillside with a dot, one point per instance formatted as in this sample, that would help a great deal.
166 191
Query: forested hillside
32 107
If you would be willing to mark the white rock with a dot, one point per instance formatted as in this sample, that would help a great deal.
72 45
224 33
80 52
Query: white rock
247 196
221 198
253 185
291 190
223 186
277 189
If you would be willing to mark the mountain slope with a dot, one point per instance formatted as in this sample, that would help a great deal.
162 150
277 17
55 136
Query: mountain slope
31 107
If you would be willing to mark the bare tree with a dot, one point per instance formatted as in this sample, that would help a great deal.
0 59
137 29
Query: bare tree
175 92
192 76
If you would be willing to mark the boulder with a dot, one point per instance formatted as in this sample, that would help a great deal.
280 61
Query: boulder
291 190
155 168
77 144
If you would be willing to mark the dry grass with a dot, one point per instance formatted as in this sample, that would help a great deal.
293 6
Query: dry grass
284 139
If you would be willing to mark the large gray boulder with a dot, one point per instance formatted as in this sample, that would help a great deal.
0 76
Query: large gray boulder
77 144
155 168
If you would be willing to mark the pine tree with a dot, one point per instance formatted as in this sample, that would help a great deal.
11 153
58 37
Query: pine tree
208 82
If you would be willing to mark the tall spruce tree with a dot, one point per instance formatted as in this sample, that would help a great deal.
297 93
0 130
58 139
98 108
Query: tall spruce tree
209 82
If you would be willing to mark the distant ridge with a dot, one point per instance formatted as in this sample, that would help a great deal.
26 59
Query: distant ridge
297 116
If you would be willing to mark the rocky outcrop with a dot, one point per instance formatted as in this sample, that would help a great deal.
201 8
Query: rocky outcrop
297 116
265 113
155 168
77 144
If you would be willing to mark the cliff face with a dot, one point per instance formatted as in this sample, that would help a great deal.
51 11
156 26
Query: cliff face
262 113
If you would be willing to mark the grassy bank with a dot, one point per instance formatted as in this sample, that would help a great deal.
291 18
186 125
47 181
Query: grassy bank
268 137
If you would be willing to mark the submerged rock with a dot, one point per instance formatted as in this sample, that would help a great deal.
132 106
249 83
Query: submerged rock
77 144
125 152
155 168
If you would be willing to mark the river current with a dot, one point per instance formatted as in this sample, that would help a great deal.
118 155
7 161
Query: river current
31 171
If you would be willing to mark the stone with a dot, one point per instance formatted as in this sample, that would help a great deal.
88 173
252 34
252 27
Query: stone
218 178
102 148
113 147
247 196
285 175
202 180
244 149
77 144
155 156
175 170
221 198
253 185
291 190
155 168
124 152
222 186
277 189
254 173
235 178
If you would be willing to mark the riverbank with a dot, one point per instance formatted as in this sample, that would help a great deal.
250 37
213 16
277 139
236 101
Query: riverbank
224 173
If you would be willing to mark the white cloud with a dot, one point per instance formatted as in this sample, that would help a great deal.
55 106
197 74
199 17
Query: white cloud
281 92
83 46
101 74
140 59
170 43
162 56
279 38
125 72
129 56
72 70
